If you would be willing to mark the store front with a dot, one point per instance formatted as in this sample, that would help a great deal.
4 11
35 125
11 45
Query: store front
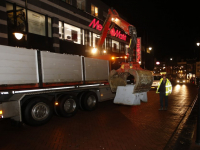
40 32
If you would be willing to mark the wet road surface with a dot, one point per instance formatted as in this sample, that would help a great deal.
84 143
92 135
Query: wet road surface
109 127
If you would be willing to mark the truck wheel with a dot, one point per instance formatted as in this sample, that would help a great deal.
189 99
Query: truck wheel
67 106
89 101
80 97
38 111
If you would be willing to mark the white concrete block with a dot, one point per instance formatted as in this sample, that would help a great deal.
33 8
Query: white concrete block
143 96
125 96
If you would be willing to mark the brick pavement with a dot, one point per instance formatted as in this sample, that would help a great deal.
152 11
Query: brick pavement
109 127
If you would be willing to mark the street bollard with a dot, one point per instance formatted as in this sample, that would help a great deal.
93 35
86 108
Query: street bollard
198 119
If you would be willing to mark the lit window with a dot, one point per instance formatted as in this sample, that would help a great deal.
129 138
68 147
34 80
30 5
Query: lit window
81 4
60 30
83 37
126 49
115 46
95 39
94 10
72 34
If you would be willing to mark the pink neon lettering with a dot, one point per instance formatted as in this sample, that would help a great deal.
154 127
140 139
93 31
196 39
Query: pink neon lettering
99 27
138 49
96 24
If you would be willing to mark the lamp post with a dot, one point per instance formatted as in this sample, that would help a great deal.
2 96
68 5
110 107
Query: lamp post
198 114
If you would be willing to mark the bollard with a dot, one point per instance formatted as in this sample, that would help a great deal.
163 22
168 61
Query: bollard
198 119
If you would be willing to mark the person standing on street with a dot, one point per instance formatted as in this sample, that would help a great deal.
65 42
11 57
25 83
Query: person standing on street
165 89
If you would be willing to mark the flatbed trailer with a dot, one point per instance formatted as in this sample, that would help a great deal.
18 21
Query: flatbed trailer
34 84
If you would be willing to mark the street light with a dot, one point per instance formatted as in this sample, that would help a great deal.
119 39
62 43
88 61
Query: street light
18 35
198 44
150 48
94 50
171 59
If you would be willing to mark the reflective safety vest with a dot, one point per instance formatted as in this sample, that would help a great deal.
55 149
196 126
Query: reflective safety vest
168 87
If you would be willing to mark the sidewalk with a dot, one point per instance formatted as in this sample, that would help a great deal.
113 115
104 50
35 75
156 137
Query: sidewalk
184 137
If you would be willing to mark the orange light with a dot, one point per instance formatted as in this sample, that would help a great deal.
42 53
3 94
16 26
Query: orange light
112 58
125 57
1 112
56 103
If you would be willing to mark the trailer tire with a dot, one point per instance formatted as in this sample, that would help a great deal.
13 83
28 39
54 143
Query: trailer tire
89 101
80 97
37 111
67 106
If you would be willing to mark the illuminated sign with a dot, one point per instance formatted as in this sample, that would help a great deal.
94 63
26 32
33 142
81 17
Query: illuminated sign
138 50
113 32
96 24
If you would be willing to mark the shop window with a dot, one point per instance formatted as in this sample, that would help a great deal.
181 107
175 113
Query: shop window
115 46
49 27
60 30
122 48
108 44
95 39
83 36
126 49
94 10
72 33
104 44
90 39
81 4
36 23
67 1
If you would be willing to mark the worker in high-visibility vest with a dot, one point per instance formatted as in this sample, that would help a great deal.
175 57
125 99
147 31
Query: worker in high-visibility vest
165 89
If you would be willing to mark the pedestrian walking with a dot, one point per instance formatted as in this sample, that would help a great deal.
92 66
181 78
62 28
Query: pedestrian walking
164 89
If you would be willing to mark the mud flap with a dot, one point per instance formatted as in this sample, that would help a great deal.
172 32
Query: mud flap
125 96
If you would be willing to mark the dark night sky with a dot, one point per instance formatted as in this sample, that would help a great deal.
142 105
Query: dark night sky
172 28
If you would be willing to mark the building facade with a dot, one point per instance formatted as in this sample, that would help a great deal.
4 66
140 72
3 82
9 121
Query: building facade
61 26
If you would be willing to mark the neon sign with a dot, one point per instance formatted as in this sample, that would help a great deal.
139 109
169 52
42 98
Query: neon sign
138 50
113 32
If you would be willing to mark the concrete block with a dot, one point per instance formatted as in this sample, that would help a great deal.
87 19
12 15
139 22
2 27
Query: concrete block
125 96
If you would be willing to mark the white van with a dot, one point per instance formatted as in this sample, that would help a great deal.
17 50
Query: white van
156 80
